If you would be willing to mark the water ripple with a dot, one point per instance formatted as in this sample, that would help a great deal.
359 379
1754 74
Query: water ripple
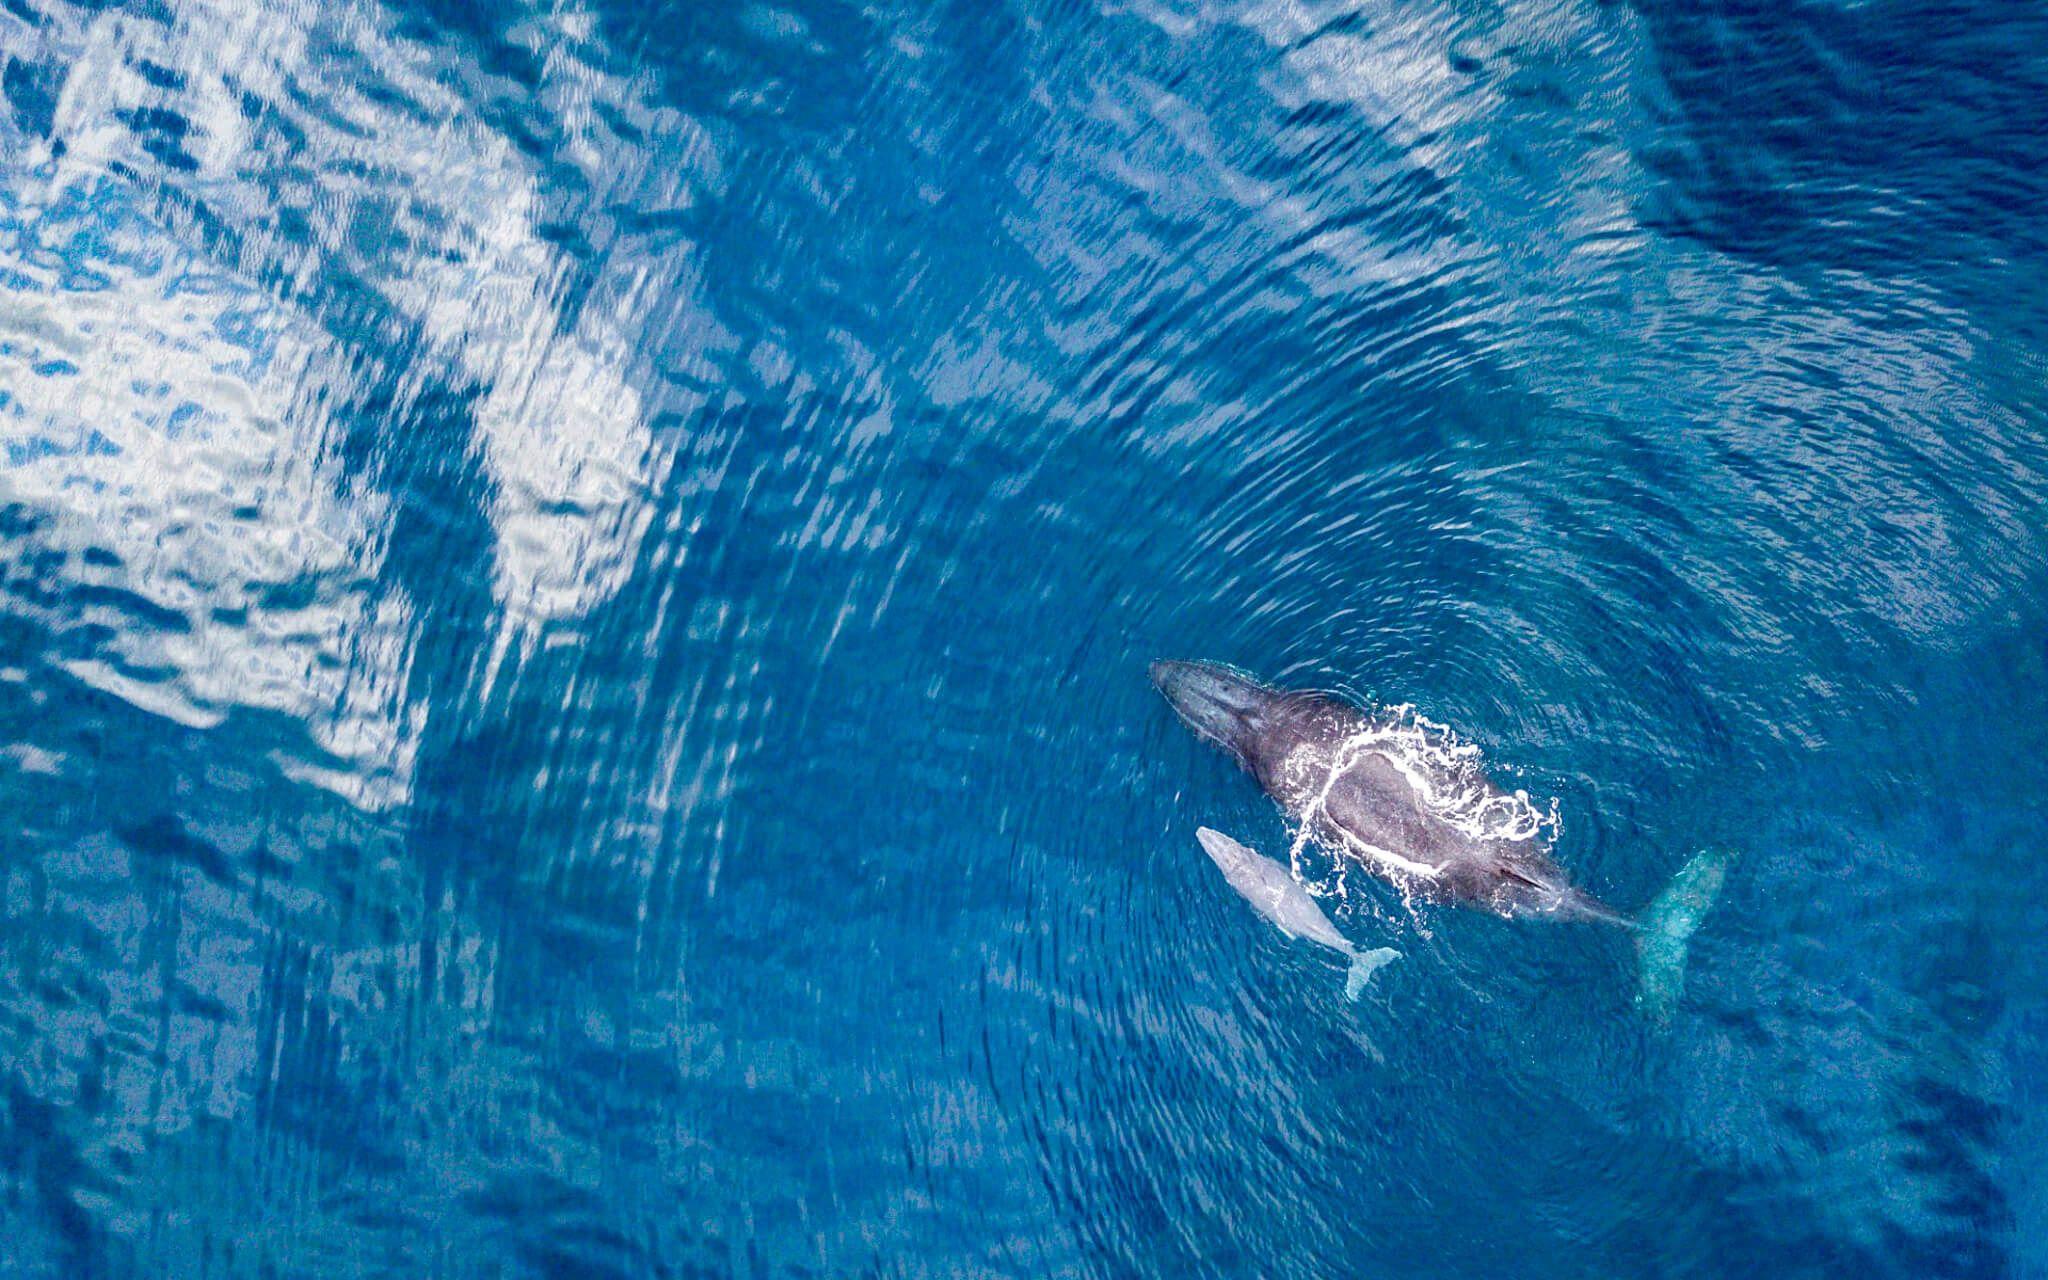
575 585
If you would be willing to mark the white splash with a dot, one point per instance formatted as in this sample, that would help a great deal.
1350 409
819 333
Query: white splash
1446 775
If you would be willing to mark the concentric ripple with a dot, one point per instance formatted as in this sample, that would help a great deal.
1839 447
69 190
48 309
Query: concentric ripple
576 583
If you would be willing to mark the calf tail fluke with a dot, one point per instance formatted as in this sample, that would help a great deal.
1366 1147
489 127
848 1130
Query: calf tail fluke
1666 926
1363 965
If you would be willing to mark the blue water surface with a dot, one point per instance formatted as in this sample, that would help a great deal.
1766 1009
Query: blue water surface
575 587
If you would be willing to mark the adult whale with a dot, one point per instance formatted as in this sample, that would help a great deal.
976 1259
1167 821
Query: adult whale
1381 791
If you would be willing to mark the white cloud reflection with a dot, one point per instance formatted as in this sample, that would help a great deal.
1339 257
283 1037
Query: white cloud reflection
193 439
157 420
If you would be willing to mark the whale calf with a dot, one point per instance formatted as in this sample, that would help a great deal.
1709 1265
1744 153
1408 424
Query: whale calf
1275 894
1414 808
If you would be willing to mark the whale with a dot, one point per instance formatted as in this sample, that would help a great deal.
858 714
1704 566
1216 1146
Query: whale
1275 894
1389 792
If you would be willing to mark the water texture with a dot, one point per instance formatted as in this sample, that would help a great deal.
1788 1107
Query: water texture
575 585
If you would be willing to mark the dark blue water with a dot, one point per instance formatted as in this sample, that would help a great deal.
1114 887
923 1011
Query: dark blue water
575 586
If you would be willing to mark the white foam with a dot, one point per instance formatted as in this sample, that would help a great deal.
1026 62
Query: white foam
1448 780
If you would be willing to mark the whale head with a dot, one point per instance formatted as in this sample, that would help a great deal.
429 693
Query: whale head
1252 722
1230 857
1214 701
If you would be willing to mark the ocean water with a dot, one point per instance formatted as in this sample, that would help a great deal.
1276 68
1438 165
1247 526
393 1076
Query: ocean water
575 587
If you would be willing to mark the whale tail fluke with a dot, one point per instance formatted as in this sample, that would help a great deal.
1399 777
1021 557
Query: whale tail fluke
1363 965
1666 927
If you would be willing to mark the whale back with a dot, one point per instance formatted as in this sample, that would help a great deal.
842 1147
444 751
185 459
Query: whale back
1271 889
1396 819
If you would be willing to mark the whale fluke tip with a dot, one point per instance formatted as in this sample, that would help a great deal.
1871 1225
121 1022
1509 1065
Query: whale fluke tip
1363 966
1665 929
